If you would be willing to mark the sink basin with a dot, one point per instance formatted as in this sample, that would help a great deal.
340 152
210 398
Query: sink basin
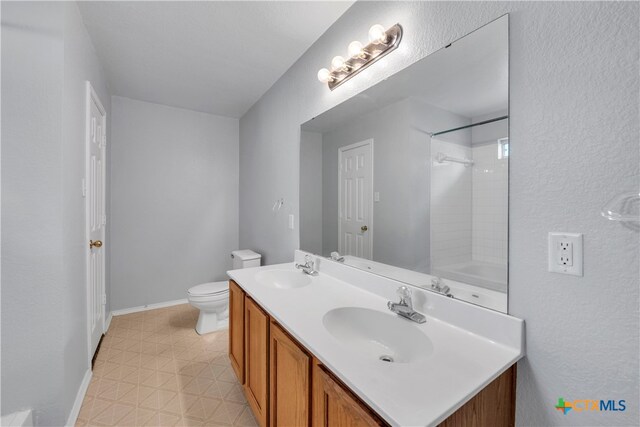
376 335
283 279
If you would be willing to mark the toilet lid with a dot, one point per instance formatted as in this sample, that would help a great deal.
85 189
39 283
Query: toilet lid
211 288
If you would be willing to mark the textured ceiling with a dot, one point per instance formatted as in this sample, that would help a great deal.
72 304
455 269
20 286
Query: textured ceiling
215 57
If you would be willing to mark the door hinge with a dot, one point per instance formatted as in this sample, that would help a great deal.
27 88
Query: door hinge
84 187
104 299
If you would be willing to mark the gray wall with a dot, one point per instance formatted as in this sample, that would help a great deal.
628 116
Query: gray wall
574 126
47 56
311 192
174 201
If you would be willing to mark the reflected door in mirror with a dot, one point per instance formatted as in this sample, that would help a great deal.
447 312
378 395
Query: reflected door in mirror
356 198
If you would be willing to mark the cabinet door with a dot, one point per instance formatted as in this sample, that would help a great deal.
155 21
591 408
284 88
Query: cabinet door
236 329
256 337
334 406
493 406
290 381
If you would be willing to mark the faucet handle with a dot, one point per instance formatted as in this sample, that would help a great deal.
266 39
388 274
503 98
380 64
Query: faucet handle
404 293
308 259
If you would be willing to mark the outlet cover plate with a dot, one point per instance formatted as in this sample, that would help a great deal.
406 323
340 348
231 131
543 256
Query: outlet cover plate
565 253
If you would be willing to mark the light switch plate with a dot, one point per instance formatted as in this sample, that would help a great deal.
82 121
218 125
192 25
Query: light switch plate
565 253
291 221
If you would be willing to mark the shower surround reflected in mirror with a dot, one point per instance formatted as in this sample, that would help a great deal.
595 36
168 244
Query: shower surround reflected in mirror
409 179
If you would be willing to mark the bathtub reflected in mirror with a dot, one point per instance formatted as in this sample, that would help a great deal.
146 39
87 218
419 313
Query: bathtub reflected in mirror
409 179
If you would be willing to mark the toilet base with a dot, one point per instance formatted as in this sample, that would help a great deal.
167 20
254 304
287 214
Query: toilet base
211 322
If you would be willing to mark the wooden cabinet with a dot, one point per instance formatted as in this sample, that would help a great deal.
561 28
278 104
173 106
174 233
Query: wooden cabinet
236 329
335 406
290 381
256 363
286 386
493 406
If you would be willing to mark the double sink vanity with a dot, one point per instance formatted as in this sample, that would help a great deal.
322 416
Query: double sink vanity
323 347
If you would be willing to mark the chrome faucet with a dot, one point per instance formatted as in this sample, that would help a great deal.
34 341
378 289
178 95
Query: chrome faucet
307 267
336 257
404 308
436 285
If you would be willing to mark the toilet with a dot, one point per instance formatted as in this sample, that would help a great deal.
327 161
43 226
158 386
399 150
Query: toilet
212 299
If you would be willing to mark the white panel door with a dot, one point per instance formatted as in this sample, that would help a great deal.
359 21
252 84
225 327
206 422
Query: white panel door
356 200
96 218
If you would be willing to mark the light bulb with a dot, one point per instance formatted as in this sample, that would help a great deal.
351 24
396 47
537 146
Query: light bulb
337 63
324 75
355 48
377 34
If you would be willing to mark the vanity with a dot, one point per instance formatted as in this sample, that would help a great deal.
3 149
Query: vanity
325 350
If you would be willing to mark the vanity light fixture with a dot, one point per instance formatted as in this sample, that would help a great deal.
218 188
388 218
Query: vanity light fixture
381 42
356 49
338 64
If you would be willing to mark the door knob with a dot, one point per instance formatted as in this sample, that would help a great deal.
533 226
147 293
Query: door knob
96 244
364 228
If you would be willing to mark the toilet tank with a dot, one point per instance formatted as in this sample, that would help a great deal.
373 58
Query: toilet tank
245 258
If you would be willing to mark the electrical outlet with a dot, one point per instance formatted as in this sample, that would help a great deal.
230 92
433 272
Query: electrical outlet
565 253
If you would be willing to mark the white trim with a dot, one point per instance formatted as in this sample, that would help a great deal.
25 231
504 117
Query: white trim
18 419
366 142
149 307
107 322
77 405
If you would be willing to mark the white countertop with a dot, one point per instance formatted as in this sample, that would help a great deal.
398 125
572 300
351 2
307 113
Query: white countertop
472 345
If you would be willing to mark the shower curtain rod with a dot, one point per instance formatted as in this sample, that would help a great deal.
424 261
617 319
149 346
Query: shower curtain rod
471 125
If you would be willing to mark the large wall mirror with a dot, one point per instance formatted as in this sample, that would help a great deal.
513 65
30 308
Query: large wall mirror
409 179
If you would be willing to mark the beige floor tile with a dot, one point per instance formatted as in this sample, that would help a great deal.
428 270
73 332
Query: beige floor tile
153 369
165 419
227 374
85 409
246 419
130 396
107 389
198 386
235 395
99 405
93 386
220 417
130 358
191 422
112 415
234 410
110 370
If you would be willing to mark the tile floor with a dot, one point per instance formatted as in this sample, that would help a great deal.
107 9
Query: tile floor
154 370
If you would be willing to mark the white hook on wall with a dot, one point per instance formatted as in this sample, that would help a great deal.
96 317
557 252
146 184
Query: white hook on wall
278 205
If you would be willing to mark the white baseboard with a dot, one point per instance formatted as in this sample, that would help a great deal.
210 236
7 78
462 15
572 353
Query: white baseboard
17 419
107 322
149 307
75 411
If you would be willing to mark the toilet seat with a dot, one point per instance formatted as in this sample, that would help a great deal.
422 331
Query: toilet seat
209 289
